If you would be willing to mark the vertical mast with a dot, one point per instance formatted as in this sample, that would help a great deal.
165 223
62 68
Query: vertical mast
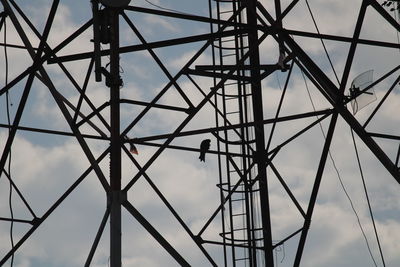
115 152
259 131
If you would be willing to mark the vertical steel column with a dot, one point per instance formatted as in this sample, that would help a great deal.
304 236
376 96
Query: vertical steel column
259 131
225 246
115 146
278 14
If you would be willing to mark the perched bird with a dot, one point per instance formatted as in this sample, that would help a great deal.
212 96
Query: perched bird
204 147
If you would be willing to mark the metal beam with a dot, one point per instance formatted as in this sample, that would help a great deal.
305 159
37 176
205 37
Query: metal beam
177 76
29 82
157 236
259 159
341 38
332 91
152 45
114 83
236 126
98 237
335 97
190 17
38 221
158 61
185 121
218 75
314 193
45 57
375 4
352 50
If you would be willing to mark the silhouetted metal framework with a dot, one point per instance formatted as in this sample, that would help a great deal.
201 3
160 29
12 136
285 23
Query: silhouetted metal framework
245 150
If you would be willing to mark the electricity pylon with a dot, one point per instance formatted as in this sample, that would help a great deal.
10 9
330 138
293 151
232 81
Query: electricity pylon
248 128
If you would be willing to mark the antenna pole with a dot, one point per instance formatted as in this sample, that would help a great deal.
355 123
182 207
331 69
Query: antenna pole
114 82
259 131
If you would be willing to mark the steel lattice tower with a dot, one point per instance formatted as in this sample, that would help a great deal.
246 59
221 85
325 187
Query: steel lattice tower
228 79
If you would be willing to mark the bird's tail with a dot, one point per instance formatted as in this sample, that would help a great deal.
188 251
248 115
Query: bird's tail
202 158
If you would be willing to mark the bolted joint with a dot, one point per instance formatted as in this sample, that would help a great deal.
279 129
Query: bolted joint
112 197
124 196
114 81
198 239
110 79
36 221
116 196
190 110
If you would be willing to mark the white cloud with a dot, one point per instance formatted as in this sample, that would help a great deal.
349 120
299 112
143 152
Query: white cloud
159 22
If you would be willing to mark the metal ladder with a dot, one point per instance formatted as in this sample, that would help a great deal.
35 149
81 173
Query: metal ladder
239 229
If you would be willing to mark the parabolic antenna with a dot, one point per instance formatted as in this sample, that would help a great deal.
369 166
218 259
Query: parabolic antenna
360 94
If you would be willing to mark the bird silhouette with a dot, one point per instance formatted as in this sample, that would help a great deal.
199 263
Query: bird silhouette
204 147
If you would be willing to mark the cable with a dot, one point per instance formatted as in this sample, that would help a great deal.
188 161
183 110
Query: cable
367 197
279 82
164 8
322 41
340 178
10 153
359 164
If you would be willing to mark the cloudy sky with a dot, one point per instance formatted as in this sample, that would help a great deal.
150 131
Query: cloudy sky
44 166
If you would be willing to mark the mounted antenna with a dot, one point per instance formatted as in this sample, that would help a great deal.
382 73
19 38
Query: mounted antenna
361 93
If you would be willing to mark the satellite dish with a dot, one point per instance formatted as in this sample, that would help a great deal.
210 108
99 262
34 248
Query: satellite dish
360 97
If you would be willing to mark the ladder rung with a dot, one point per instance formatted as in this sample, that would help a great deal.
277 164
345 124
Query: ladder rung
235 170
239 229
232 39
224 12
239 214
229 55
226 1
228 84
239 199
236 97
229 40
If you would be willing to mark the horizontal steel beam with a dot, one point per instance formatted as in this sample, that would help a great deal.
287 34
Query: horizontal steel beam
235 126
185 16
152 45
218 75
341 38
226 67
